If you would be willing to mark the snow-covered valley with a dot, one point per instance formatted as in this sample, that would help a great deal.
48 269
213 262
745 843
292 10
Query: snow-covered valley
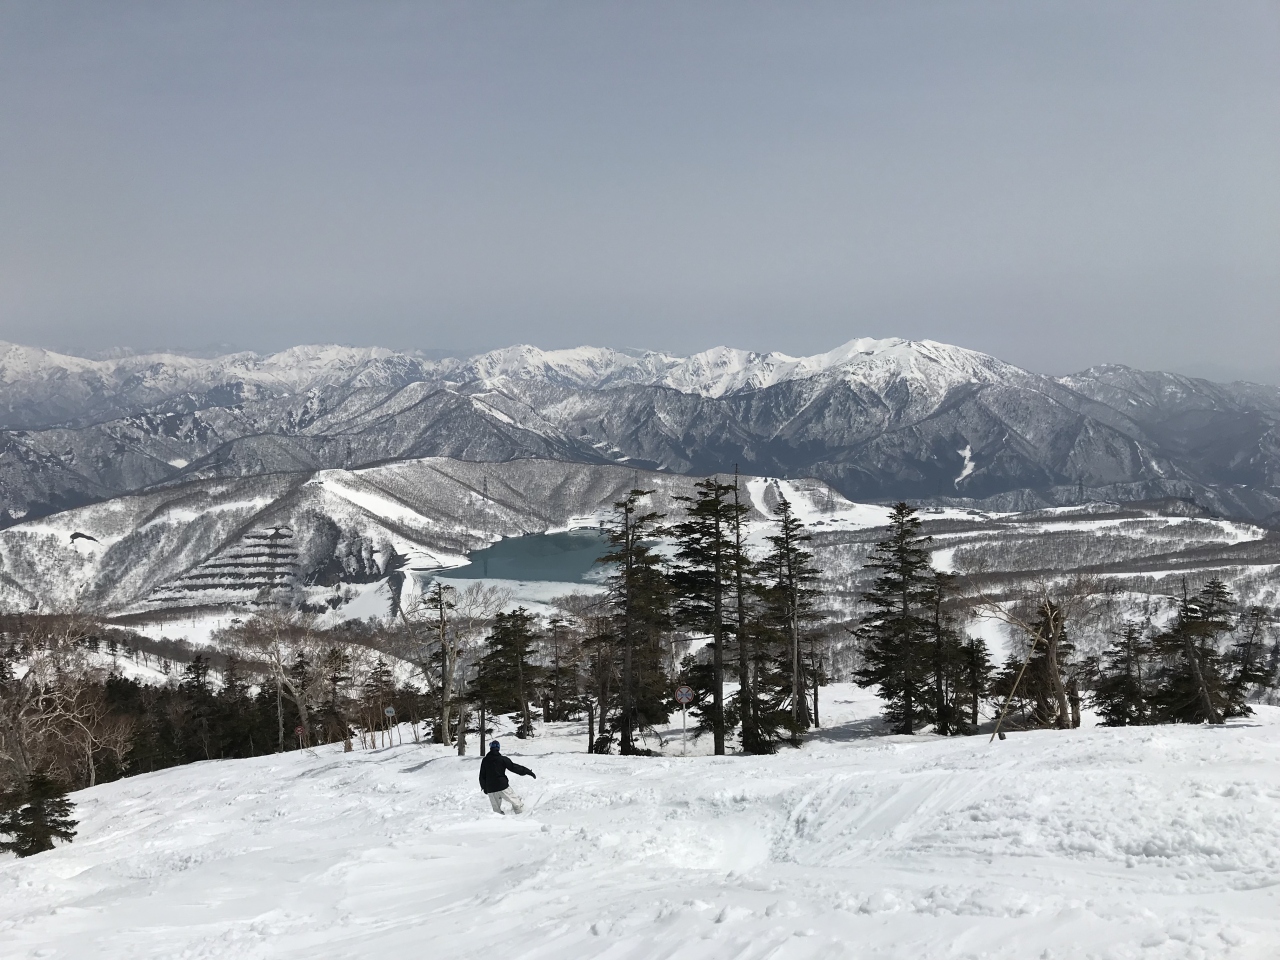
1152 842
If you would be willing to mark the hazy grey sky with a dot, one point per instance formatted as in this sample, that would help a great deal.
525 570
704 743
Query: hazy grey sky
1059 184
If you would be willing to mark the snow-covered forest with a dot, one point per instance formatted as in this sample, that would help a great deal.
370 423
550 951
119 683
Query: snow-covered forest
725 594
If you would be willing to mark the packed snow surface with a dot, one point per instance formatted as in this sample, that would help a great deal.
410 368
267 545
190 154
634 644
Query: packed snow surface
1155 842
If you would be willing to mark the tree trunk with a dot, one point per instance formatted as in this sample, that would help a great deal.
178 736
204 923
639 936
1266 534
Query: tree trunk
1206 699
280 711
717 655
746 701
626 745
524 702
446 669
591 727
1063 719
817 670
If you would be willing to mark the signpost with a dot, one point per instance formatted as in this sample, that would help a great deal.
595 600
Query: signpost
684 697
391 714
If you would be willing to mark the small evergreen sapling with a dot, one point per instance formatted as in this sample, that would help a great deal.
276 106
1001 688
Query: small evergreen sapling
35 815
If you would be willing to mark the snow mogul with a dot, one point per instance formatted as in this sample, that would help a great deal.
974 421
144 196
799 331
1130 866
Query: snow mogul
493 779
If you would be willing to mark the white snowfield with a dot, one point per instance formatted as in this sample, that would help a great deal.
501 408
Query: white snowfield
1156 842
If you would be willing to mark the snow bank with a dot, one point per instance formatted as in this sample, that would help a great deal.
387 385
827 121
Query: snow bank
1151 842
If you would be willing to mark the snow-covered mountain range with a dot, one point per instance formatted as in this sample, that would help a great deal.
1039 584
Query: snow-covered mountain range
876 419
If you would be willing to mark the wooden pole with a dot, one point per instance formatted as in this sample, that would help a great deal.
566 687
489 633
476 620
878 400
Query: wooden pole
1014 689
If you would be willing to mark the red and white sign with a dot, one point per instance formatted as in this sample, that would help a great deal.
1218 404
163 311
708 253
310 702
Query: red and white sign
684 695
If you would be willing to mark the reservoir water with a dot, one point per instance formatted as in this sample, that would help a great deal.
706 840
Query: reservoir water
568 557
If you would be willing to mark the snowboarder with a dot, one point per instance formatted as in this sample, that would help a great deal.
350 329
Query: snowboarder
493 779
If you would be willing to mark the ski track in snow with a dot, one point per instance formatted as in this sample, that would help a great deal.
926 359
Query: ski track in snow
1154 842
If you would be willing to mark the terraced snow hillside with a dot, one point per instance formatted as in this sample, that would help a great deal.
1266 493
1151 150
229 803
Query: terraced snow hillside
1159 843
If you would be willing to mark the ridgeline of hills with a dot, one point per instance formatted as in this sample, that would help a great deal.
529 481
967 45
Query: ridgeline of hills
875 419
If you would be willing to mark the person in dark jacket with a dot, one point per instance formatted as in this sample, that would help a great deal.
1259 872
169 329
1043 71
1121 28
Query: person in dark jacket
493 779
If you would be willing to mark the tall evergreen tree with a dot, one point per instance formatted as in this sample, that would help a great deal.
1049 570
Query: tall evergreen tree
895 632
34 815
702 580
639 600
791 595
743 570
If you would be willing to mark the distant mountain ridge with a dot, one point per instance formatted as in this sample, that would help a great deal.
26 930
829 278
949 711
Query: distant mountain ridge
876 419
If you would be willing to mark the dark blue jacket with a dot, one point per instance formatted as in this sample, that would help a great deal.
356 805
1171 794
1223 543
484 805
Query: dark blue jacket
493 772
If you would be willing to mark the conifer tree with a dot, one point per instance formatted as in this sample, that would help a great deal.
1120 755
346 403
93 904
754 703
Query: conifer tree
749 707
790 595
200 727
639 600
1193 680
438 606
563 655
337 678
507 674
1122 689
702 580
35 815
1248 662
896 630
973 679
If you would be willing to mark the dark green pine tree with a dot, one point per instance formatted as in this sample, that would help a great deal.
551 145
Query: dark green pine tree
507 675
973 680
35 815
200 733
377 693
1192 683
639 604
1122 688
895 632
1248 661
790 599
333 709
702 580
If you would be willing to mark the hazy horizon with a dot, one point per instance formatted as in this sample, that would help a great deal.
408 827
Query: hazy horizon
1058 185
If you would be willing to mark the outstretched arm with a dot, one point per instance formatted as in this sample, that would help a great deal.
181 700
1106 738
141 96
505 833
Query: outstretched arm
523 771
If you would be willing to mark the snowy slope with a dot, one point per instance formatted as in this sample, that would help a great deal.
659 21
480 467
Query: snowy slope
1159 843
207 543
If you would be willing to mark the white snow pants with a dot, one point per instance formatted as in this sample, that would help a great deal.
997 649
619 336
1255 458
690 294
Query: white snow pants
495 800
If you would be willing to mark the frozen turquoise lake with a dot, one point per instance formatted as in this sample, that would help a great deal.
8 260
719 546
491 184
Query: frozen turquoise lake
568 557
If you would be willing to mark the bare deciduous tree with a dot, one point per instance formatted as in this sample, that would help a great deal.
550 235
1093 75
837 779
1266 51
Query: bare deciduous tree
1040 608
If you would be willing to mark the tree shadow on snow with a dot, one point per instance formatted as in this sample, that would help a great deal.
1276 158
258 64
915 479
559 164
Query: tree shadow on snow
852 730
